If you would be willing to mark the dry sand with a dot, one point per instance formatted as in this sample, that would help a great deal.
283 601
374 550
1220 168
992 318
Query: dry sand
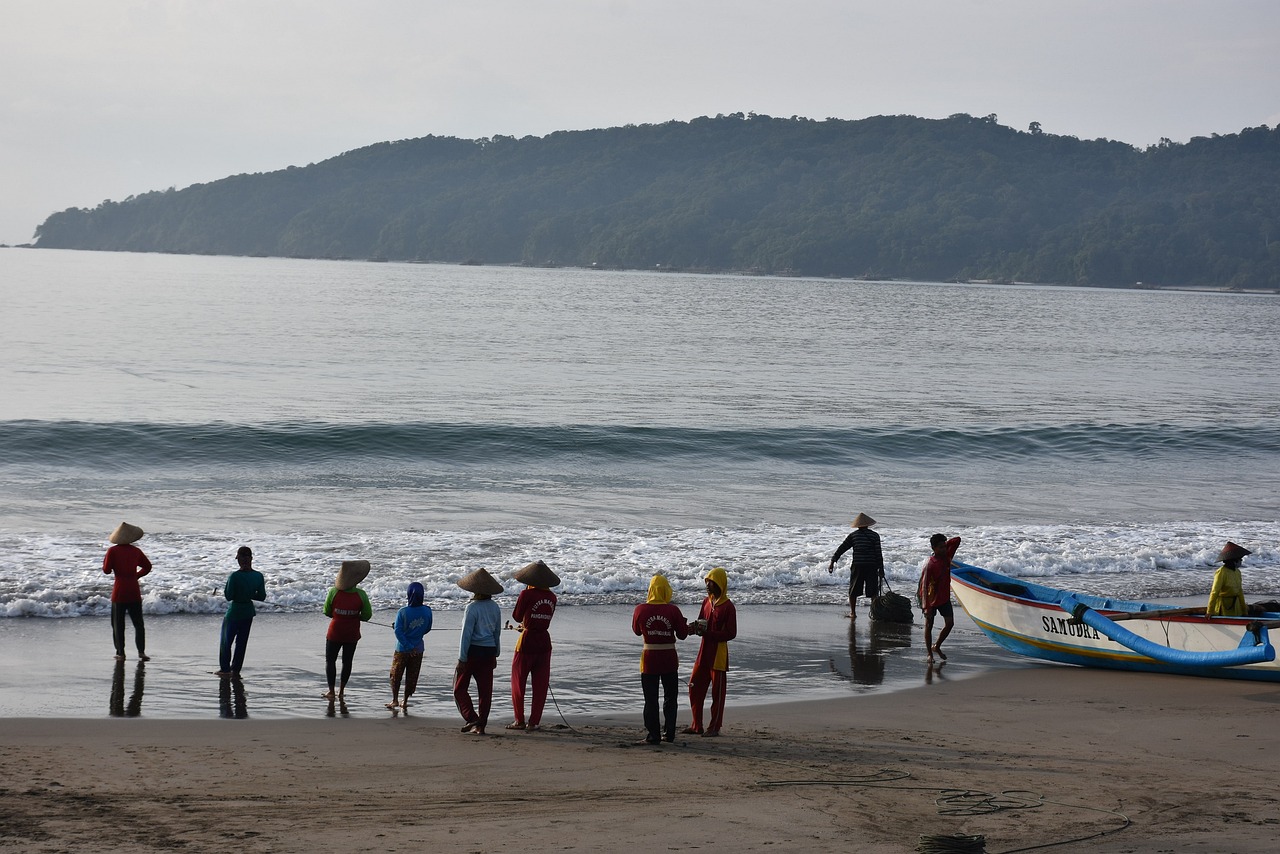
1185 763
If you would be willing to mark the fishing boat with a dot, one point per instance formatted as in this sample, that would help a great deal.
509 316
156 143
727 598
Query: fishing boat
1093 631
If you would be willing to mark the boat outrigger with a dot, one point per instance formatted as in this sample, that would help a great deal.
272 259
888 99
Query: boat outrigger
1073 628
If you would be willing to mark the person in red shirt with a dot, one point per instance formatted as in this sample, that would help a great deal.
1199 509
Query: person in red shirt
717 623
348 606
660 624
934 591
127 563
534 609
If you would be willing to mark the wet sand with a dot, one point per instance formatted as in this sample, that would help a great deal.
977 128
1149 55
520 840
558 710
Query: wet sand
1126 762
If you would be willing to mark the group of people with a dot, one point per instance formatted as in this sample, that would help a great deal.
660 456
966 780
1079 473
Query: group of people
658 622
866 573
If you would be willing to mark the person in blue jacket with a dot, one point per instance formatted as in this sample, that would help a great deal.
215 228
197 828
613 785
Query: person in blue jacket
413 621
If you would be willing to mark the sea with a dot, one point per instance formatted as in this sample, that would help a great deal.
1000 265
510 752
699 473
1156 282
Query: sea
435 418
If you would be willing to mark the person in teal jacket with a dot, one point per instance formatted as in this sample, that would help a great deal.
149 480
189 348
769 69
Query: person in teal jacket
244 587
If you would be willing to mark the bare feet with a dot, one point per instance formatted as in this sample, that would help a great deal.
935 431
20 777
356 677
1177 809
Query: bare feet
120 657
691 730
328 695
711 733
142 657
393 705
937 650
533 727
516 725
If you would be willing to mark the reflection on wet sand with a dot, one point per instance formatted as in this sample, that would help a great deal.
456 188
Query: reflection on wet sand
232 702
117 708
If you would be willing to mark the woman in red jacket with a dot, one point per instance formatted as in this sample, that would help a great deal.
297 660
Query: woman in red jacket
717 623
127 563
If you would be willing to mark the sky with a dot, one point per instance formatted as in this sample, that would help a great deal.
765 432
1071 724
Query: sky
104 99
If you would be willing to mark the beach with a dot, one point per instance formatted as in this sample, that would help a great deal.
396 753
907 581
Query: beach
1130 762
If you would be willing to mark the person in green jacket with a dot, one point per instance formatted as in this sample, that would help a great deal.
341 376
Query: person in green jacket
244 586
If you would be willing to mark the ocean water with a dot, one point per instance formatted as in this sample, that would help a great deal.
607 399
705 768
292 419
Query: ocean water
433 419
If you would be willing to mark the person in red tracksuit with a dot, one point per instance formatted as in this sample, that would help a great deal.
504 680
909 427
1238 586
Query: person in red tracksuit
534 609
660 624
717 623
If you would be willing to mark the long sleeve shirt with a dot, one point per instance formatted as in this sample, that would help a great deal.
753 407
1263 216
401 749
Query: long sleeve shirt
127 562
243 587
481 626
412 623
534 610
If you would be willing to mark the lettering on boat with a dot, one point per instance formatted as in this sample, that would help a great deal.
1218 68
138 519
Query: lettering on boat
1064 626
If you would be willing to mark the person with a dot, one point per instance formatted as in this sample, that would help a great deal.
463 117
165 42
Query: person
660 624
127 563
413 621
534 609
934 592
1226 596
717 624
348 606
244 587
478 649
866 561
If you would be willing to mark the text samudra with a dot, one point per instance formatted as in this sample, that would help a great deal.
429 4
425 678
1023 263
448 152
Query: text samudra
1064 626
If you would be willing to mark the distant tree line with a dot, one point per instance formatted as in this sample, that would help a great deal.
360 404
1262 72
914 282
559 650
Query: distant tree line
890 196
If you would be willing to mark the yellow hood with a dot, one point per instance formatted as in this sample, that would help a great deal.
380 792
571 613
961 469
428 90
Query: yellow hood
659 591
721 578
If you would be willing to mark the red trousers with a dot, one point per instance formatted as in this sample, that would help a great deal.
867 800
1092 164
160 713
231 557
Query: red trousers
481 668
523 666
699 679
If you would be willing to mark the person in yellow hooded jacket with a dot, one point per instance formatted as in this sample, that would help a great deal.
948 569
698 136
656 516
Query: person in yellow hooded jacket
717 624
1226 597
660 624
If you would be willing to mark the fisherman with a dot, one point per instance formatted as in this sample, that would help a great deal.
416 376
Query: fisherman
413 621
478 649
534 609
127 563
1226 597
347 606
866 562
717 624
934 592
660 623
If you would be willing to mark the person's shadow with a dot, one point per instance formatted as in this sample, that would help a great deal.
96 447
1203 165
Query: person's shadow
232 702
118 708
867 665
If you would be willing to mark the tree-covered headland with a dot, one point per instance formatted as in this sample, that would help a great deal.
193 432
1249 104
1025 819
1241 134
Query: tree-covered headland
890 196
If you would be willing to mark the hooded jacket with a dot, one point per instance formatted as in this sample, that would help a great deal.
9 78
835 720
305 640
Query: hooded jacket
660 624
722 625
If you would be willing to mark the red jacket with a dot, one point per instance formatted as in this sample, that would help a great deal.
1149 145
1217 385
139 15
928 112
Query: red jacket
660 626
129 564
534 609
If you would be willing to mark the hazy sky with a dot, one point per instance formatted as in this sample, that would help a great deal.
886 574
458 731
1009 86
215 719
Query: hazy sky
103 99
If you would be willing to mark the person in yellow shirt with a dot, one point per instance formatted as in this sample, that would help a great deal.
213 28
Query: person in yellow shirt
1226 597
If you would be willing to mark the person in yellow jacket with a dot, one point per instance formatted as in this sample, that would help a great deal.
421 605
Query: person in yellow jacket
717 623
1226 597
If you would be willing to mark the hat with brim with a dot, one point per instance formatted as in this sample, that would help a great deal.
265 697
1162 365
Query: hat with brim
862 521
537 574
1232 552
125 534
351 574
480 582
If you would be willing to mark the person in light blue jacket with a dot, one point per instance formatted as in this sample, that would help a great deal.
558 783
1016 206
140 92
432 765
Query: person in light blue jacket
478 649
413 621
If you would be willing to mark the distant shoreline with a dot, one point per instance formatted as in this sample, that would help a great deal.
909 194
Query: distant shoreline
1139 286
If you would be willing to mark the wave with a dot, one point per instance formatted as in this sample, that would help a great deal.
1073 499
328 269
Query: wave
121 446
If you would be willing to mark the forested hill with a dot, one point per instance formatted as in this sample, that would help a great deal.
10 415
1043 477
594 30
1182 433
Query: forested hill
891 196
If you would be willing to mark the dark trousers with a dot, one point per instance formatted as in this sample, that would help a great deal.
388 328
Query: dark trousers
670 700
134 612
331 650
478 666
234 632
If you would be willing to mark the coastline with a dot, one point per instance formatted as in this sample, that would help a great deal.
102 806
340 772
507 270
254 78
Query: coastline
1133 762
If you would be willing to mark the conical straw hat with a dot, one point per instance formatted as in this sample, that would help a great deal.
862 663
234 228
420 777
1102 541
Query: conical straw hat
537 574
125 534
862 521
1232 552
481 582
351 574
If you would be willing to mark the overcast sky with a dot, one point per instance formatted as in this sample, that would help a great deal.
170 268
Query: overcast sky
103 99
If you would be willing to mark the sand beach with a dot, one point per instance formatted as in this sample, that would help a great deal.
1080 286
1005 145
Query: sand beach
1120 762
